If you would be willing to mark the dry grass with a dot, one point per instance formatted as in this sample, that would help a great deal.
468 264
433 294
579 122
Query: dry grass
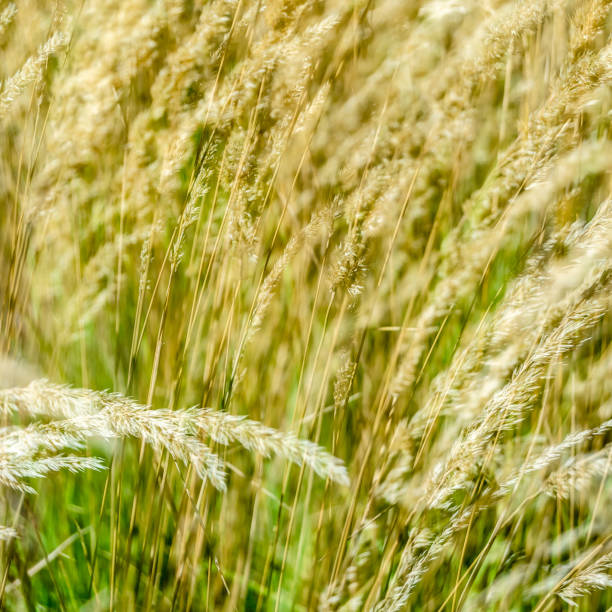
305 305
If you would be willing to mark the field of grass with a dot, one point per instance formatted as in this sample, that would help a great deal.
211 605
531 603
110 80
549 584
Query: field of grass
305 305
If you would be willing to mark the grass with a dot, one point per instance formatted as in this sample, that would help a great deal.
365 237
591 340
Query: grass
304 305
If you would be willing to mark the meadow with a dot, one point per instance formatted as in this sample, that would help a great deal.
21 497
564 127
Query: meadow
305 305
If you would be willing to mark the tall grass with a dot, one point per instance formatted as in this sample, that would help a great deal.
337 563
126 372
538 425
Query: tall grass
305 305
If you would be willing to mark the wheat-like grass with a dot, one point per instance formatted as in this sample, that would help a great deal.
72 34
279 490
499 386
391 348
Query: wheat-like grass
365 238
7 16
86 414
31 71
594 576
7 533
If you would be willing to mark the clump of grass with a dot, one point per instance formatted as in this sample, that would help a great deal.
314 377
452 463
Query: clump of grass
368 243
85 414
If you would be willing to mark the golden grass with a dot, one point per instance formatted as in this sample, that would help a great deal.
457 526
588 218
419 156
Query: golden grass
367 242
